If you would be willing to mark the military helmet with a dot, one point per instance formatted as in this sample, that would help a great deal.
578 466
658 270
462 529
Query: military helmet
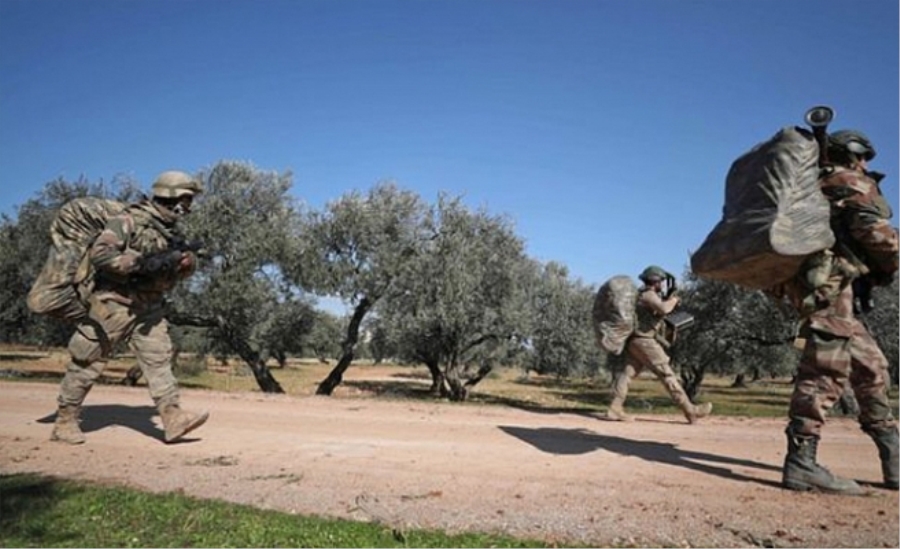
653 274
175 184
853 141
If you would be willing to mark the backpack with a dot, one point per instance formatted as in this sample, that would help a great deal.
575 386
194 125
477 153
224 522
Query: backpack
59 290
613 314
775 215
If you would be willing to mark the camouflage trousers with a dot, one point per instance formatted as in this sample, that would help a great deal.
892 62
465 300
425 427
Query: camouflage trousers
828 363
646 353
110 322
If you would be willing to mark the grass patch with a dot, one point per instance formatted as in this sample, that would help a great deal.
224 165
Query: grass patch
504 387
39 511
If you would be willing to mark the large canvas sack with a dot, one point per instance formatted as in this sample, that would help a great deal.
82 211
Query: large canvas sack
613 314
775 215
55 292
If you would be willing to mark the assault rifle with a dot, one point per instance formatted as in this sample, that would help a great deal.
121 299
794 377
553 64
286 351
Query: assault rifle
169 258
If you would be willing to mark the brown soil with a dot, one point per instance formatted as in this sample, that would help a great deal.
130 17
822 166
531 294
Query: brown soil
562 477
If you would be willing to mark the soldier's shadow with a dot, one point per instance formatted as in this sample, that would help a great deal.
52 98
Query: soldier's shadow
582 441
100 416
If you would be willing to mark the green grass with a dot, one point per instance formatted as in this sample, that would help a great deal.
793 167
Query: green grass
39 511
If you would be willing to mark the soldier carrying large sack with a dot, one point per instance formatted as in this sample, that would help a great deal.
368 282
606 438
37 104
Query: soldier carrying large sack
773 236
126 272
838 348
634 320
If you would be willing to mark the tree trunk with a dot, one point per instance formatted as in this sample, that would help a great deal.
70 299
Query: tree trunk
327 386
132 376
691 379
438 387
482 373
267 383
456 390
739 381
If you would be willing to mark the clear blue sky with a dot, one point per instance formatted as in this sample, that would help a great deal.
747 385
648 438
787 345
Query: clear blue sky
604 129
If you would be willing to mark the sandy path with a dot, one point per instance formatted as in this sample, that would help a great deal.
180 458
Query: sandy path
656 481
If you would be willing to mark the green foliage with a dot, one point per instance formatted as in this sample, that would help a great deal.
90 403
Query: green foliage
462 301
247 220
43 512
562 338
735 331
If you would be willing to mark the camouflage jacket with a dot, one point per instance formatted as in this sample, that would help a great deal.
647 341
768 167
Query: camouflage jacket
866 244
859 219
650 310
142 229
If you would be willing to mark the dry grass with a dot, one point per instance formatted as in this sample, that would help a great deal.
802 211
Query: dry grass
508 387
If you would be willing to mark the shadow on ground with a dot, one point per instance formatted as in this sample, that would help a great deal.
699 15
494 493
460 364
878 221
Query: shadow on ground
581 441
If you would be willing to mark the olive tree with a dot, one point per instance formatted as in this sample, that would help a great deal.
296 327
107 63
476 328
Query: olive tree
246 219
735 331
562 338
460 306
355 250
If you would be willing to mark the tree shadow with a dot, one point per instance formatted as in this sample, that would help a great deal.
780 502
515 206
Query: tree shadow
136 418
22 357
529 406
27 497
581 441
393 389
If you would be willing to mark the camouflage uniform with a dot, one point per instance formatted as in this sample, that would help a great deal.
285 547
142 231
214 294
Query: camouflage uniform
838 347
646 348
125 306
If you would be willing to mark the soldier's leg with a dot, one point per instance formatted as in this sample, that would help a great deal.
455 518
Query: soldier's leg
658 362
869 378
823 372
153 349
89 348
616 410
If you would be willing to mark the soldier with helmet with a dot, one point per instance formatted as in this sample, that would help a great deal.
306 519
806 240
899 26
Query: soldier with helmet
646 348
134 267
838 347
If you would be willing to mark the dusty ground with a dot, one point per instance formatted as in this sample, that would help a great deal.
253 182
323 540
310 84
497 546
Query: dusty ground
562 477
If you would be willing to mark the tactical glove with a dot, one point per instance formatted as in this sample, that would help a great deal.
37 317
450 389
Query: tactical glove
158 263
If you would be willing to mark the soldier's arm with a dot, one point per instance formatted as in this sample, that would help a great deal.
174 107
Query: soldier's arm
652 301
865 215
110 252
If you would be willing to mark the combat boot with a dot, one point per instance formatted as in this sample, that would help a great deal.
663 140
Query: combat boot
693 413
616 412
887 442
802 473
66 428
178 422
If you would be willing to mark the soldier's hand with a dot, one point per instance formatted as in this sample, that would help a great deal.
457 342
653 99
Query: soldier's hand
187 265
157 263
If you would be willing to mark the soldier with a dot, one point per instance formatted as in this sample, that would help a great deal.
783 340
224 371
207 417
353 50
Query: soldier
646 348
838 347
134 268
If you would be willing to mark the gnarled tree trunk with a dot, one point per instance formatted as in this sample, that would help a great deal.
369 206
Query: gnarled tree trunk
327 386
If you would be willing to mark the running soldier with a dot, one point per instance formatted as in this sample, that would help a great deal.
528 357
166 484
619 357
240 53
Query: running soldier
135 263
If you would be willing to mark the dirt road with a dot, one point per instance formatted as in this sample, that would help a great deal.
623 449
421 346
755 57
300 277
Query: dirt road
556 476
